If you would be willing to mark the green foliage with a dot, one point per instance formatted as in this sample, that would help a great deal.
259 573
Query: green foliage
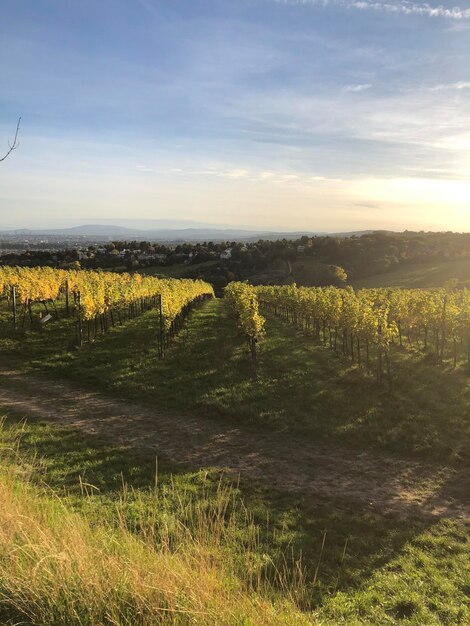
243 299
338 275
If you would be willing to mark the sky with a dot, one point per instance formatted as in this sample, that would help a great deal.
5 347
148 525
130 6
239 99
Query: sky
320 115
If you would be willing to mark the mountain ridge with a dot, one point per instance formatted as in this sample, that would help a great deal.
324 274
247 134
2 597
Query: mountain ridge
112 231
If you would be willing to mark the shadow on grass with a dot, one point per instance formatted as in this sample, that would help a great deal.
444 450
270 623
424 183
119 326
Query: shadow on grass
90 475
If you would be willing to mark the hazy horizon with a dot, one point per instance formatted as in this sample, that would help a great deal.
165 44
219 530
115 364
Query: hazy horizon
276 115
153 225
149 225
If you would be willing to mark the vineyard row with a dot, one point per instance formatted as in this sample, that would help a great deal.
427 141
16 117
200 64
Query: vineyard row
367 320
98 299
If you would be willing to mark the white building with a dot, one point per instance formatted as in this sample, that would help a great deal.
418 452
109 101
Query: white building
226 254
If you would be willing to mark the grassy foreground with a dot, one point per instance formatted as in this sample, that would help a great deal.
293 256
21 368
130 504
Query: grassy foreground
179 552
89 535
57 568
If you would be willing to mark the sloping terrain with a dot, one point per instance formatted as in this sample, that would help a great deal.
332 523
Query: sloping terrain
283 462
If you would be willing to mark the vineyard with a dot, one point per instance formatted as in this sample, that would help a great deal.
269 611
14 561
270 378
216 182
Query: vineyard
364 324
98 300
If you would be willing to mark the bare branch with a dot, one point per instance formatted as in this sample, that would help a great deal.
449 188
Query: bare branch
15 144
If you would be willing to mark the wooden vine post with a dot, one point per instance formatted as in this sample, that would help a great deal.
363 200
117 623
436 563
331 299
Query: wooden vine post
161 329
389 372
79 321
13 298
379 356
254 355
67 309
443 329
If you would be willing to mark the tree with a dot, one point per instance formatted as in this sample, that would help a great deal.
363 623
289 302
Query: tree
15 144
337 275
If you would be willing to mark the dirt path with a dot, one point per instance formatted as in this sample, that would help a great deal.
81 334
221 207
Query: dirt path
280 461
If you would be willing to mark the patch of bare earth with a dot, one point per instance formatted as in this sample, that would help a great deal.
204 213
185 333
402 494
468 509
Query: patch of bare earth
282 462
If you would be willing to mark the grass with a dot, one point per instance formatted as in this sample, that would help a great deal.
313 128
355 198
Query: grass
425 274
208 371
309 272
207 551
163 555
436 560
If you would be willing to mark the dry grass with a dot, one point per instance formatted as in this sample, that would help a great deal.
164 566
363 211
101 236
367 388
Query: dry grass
58 568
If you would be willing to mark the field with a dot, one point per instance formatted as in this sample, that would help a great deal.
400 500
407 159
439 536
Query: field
329 500
307 271
426 274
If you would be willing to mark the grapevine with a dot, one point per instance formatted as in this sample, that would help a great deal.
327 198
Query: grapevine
437 320
243 300
102 298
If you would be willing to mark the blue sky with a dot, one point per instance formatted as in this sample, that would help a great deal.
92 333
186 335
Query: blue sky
319 115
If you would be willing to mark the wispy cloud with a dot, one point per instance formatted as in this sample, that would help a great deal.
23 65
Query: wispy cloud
235 174
403 7
459 86
367 205
357 88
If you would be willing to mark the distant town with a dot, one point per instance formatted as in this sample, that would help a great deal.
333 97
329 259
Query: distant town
305 260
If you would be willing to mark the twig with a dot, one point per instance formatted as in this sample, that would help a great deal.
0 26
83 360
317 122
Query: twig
15 144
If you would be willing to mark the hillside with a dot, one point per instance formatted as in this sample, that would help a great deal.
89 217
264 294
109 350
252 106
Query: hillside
390 502
420 275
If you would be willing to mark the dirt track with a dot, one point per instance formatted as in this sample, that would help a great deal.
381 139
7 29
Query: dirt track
283 462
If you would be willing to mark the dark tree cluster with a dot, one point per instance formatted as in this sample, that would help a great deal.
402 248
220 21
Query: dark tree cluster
339 258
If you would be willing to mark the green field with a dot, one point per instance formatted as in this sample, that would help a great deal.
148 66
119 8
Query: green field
308 272
359 566
426 274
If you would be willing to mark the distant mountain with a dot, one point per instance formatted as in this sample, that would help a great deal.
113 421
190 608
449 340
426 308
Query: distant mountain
111 231
199 234
96 230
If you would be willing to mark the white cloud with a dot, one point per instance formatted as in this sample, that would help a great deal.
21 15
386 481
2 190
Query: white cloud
404 7
414 191
197 170
235 173
459 85
357 88
266 175
156 170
